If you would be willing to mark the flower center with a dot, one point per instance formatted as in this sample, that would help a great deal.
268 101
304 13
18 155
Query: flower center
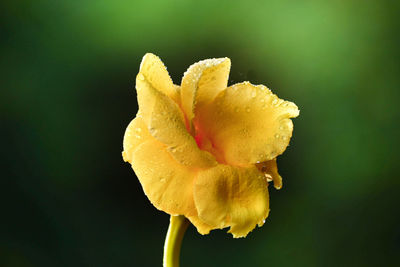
206 144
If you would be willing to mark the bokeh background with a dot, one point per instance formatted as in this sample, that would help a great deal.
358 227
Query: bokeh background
67 93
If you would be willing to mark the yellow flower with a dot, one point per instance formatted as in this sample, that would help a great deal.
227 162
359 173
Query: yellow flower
205 150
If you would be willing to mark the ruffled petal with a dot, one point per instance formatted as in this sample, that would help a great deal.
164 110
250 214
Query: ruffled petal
167 184
232 196
248 124
202 82
166 123
154 70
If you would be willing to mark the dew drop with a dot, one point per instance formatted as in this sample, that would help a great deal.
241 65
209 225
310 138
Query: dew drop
284 138
247 109
254 94
275 102
138 130
276 135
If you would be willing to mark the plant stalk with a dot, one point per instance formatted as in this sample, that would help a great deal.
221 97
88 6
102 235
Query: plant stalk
172 246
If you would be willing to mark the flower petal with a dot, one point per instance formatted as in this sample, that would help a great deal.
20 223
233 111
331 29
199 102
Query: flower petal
161 188
202 82
135 134
201 226
166 123
167 184
248 124
154 70
232 196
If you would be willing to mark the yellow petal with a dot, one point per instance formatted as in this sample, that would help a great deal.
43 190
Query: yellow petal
202 82
201 226
167 184
153 69
248 124
135 134
158 192
232 196
166 123
270 169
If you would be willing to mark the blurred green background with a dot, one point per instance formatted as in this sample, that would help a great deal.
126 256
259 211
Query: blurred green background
67 94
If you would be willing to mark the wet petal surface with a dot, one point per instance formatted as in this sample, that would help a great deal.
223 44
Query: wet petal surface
232 196
167 184
248 124
154 71
166 123
202 82
135 134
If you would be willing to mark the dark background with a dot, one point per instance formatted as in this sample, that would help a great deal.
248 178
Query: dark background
67 72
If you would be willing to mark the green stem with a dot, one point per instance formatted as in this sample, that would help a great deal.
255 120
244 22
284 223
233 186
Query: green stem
173 241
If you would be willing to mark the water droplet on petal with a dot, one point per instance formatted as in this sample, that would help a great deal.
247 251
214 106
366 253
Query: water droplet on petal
247 109
140 77
276 135
275 102
254 94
